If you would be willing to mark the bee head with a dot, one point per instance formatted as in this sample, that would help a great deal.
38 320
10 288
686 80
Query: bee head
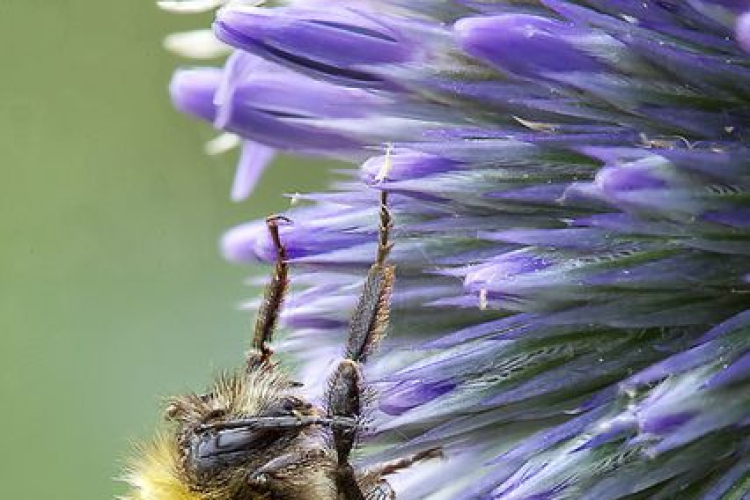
218 439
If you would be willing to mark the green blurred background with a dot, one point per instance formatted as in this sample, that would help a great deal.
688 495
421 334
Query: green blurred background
112 290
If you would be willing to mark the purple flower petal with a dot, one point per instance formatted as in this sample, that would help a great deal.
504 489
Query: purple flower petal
739 218
407 395
738 371
409 165
253 161
524 45
665 424
193 90
333 43
742 31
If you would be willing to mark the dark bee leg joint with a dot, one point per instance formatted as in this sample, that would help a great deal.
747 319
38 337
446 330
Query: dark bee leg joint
270 308
344 400
386 224
347 483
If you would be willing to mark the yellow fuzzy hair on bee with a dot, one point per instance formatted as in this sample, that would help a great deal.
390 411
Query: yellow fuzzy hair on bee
154 476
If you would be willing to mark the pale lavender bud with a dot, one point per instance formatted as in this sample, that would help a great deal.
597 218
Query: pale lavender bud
525 45
337 44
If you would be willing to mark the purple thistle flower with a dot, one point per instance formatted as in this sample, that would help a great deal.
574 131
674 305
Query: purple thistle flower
570 186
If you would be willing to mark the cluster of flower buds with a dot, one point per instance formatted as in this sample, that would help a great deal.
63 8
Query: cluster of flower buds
571 188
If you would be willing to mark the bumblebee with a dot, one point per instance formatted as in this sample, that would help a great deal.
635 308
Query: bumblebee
253 436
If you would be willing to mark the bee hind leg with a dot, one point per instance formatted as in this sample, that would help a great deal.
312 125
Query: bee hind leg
344 397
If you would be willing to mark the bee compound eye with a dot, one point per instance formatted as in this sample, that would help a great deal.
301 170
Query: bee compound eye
227 443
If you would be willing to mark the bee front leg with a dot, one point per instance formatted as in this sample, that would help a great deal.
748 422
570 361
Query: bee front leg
295 475
273 299
278 468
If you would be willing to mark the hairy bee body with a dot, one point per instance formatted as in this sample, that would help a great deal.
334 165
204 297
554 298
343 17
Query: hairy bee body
157 477
163 473
253 436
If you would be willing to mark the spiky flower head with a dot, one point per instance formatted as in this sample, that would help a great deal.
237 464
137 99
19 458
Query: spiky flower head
571 184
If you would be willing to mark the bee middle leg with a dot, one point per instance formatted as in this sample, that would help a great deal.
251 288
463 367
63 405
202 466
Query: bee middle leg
344 397
394 466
